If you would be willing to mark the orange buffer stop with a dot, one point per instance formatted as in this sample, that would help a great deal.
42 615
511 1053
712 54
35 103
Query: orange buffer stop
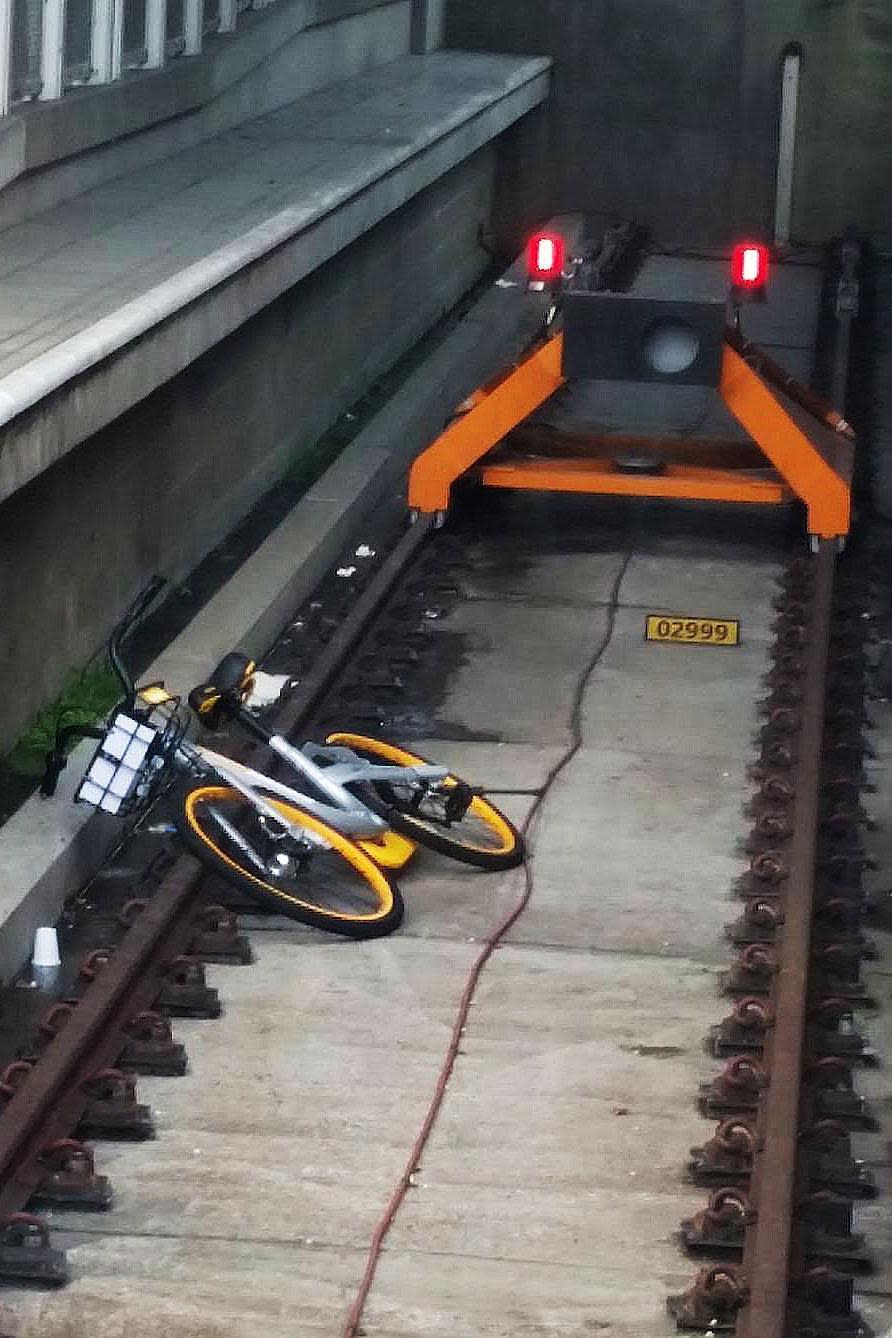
807 449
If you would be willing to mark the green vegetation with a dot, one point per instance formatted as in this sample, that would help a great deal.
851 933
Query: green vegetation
309 466
86 696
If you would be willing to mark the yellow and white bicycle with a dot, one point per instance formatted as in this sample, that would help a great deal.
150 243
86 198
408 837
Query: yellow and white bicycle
323 849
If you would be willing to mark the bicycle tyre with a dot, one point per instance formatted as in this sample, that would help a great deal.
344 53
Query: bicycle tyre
507 850
364 880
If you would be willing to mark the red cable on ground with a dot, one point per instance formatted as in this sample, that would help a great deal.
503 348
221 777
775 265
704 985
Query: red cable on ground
379 1235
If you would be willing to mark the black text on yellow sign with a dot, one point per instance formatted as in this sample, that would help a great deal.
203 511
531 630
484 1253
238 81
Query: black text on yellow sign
691 631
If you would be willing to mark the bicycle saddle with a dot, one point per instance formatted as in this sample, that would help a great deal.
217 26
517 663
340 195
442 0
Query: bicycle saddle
229 685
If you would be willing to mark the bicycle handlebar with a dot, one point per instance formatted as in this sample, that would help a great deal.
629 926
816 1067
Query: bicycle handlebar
132 616
56 761
55 758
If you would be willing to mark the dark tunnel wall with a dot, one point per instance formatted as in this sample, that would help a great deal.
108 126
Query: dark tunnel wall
666 111
845 143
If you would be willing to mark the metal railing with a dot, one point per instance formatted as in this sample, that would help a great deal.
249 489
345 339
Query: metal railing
50 46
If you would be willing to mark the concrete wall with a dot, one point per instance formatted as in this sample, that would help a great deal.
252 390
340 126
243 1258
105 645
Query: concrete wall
163 484
845 158
665 111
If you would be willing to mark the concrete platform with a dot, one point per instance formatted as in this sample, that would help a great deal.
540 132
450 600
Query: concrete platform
176 255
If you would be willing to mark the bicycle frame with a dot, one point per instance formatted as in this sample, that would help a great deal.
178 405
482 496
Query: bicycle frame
340 808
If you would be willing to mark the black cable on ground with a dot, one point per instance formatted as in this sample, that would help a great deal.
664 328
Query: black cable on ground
490 943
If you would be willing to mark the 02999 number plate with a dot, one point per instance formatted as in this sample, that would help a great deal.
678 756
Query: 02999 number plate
692 631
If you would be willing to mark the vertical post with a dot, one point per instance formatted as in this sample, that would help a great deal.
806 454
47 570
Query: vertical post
117 39
228 16
156 33
5 55
428 21
52 49
786 149
106 42
193 23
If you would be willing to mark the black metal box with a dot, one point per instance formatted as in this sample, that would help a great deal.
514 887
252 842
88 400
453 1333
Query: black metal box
619 337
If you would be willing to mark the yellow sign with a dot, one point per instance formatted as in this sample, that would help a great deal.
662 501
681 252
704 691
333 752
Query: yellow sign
692 631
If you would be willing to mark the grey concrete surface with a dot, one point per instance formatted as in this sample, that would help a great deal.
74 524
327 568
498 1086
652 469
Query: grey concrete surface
549 1196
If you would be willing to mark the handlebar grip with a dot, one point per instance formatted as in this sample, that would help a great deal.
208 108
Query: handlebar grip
220 698
54 765
205 701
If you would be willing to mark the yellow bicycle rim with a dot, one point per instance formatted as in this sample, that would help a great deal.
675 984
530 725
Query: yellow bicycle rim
362 863
483 810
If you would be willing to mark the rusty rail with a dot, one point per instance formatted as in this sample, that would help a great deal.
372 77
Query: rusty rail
779 1218
767 1253
51 1102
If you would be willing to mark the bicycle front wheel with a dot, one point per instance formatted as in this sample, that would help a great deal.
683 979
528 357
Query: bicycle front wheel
475 833
302 868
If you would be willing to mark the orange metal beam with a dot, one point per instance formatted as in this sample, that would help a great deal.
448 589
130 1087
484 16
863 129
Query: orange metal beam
507 403
816 462
601 476
810 460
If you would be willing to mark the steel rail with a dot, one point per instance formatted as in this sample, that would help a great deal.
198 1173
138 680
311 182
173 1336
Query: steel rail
298 709
52 1098
769 1247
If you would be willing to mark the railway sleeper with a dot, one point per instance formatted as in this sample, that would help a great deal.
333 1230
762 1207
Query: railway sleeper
69 1180
26 1254
150 1049
835 926
185 991
217 939
727 1158
727 1096
840 826
113 1111
821 1303
824 1222
745 1029
711 1303
826 889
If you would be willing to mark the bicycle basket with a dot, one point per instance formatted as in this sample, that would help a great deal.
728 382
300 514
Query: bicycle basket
125 768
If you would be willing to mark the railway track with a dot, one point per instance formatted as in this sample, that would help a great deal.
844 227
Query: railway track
782 1178
777 1230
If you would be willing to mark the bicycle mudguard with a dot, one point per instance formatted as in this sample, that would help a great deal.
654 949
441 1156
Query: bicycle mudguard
390 851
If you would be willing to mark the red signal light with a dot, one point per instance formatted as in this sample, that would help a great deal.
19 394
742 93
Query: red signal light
749 265
545 257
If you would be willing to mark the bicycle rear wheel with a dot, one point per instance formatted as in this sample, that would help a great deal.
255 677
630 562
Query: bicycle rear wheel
316 876
478 833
